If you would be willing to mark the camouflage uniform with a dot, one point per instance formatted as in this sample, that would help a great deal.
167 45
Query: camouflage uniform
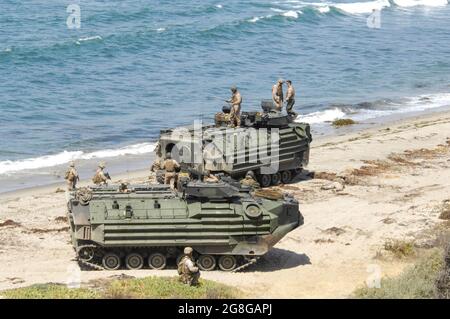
189 273
290 98
72 177
170 176
277 95
250 180
100 177
211 178
158 149
156 166
235 113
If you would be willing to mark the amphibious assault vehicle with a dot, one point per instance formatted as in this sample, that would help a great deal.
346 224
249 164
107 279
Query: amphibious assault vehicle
138 226
269 143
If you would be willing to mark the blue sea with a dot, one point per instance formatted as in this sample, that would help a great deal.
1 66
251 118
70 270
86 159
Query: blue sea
133 67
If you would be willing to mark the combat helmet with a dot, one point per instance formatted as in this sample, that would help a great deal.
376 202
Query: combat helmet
250 174
71 164
188 250
102 165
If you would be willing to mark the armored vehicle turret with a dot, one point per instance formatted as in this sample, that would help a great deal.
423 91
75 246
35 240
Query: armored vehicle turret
136 226
269 143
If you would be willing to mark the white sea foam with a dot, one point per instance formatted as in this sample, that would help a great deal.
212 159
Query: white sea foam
95 37
65 157
255 19
405 105
322 116
219 6
324 9
291 14
362 7
413 3
160 29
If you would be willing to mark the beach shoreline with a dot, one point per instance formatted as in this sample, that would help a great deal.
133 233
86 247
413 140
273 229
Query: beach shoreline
132 166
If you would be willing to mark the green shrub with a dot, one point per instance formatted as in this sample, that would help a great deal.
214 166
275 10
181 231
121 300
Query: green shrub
148 287
417 281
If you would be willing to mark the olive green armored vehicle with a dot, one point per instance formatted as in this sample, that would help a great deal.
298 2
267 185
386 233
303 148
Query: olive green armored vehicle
149 225
269 143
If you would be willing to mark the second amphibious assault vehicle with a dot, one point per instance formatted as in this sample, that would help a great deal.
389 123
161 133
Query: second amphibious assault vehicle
235 151
138 226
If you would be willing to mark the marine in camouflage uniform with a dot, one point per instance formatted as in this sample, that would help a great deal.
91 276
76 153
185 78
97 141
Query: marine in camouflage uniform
100 177
235 101
156 166
210 178
188 271
290 98
250 180
72 177
277 95
170 166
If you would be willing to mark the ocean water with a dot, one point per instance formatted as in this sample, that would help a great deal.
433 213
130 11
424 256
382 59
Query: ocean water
133 67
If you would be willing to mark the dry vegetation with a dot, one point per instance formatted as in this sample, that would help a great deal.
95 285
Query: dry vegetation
400 248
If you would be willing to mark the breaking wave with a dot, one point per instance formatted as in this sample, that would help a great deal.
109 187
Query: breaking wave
369 110
67 156
360 7
413 3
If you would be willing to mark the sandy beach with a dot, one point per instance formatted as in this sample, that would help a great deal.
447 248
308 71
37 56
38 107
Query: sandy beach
382 183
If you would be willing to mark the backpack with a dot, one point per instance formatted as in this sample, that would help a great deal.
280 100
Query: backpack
181 266
69 175
96 179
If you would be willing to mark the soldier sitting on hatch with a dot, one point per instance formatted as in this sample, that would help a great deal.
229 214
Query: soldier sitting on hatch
210 178
250 180
189 273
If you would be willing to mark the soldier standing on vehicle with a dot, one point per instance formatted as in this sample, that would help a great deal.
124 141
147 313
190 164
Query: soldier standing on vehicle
277 94
188 271
290 98
72 177
100 177
170 166
235 101
250 180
